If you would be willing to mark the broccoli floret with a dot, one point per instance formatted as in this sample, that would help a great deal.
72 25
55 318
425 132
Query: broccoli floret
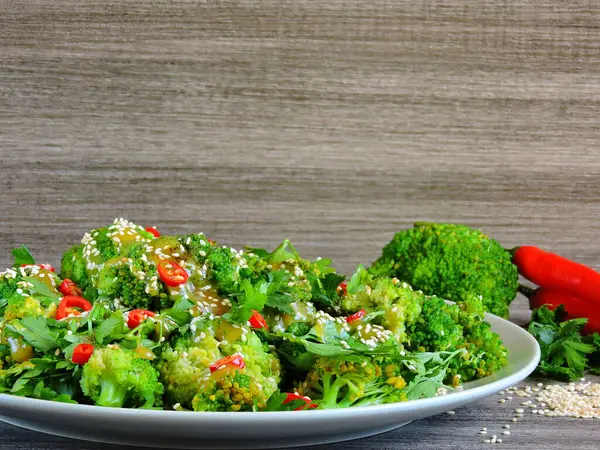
225 267
334 383
235 390
396 304
74 267
28 291
486 352
134 280
184 363
449 327
185 368
116 377
435 329
452 262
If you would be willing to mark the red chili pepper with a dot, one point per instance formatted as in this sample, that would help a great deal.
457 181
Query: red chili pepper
43 266
153 231
257 320
69 287
356 316
211 241
137 316
82 353
552 271
574 307
229 362
343 288
308 402
69 303
171 273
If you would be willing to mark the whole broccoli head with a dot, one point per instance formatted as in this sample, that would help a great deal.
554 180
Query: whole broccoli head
118 377
395 303
451 261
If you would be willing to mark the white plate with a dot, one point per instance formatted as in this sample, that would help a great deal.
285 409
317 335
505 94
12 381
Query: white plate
246 430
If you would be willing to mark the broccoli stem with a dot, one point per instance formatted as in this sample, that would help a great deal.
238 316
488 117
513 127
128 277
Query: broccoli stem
111 393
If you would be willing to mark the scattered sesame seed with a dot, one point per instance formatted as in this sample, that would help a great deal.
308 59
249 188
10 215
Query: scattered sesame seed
451 412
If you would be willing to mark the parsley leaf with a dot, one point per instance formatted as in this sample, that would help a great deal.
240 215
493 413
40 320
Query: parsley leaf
279 255
357 280
564 351
36 332
42 289
275 402
111 329
253 297
324 290
22 256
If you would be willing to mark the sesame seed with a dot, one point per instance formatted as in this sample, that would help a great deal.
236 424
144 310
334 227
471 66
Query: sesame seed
513 420
506 433
483 432
451 412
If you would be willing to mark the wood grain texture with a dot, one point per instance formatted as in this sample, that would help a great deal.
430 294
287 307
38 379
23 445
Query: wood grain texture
332 123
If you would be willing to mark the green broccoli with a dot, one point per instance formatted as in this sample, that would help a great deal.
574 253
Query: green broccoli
334 383
448 327
394 304
133 279
435 329
74 267
185 368
184 363
233 390
222 266
83 263
452 262
118 377
28 291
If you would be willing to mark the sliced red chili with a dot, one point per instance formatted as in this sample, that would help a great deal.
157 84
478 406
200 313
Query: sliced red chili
307 401
257 320
356 316
343 288
69 304
137 316
229 362
69 287
153 231
211 241
43 266
171 273
82 353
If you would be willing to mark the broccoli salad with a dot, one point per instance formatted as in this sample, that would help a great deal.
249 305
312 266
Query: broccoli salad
136 319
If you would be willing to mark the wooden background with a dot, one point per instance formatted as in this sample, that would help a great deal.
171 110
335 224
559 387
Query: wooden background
334 123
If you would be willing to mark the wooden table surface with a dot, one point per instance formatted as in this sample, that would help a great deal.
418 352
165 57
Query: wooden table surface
334 123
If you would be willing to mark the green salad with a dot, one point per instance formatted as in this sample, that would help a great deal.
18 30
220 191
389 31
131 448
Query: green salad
135 319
